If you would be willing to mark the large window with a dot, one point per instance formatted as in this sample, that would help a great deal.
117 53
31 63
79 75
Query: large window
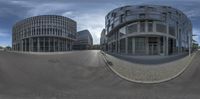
150 27
132 28
161 28
142 26
140 45
122 31
172 30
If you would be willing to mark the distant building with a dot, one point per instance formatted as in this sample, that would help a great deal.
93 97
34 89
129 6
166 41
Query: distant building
84 40
96 47
103 41
45 33
148 30
1 48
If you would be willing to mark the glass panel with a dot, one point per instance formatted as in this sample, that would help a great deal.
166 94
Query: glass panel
130 45
132 28
142 26
122 31
172 30
161 28
122 45
150 27
139 45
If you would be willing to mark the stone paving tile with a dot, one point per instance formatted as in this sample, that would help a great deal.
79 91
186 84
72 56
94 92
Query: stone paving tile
148 74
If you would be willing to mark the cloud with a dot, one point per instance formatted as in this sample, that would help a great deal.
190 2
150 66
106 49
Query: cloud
93 21
4 33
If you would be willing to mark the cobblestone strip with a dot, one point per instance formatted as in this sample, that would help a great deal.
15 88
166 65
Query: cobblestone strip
141 73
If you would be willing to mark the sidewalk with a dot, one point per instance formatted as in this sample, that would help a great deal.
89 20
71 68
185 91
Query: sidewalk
147 73
149 60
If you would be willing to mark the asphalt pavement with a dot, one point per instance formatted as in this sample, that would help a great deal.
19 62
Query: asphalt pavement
84 75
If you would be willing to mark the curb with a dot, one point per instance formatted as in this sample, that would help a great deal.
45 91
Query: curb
145 82
40 53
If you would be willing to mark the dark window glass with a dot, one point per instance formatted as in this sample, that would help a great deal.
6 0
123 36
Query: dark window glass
142 26
132 28
161 28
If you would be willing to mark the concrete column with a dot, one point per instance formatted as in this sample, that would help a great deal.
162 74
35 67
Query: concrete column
119 46
22 46
44 46
58 41
167 40
70 45
158 39
189 43
32 44
146 26
29 44
38 44
138 26
133 45
126 45
49 44
54 45
167 45
25 44
66 45
116 46
154 26
147 45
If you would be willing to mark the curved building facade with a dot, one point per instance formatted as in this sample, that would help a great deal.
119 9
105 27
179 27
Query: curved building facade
45 33
148 30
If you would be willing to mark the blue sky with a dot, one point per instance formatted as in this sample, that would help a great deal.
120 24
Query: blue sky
89 14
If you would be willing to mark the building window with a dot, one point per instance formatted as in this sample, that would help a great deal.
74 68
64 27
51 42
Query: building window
140 45
122 18
122 31
161 28
172 30
132 28
142 15
141 7
142 26
113 15
150 26
128 12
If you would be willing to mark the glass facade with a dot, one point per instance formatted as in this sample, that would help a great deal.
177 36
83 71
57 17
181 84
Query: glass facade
45 33
161 28
161 31
140 45
132 28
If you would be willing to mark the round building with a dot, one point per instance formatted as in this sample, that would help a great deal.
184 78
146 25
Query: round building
45 33
148 30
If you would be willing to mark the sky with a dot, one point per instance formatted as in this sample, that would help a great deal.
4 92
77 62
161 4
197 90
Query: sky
89 14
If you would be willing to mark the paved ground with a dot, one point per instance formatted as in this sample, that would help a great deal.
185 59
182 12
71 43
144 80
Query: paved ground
158 70
84 75
149 60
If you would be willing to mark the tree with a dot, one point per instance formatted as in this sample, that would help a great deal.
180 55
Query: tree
1 47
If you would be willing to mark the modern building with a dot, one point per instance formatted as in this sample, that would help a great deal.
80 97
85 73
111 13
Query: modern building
84 40
103 41
45 33
148 30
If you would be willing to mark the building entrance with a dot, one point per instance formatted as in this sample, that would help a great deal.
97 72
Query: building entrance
153 49
153 46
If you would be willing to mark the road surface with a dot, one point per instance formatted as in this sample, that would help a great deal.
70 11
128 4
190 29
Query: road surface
84 75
